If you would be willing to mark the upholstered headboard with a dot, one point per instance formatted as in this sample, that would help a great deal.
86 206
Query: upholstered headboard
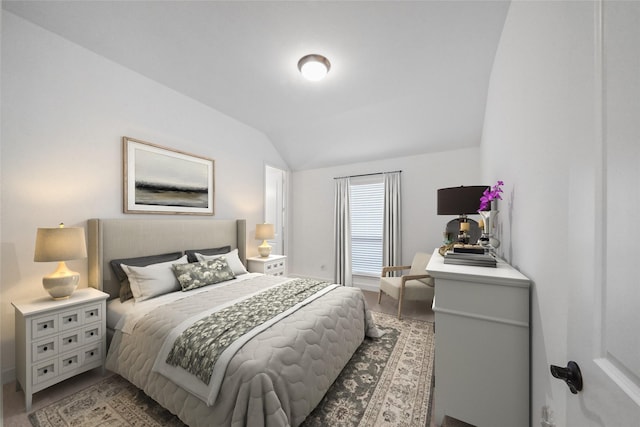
126 238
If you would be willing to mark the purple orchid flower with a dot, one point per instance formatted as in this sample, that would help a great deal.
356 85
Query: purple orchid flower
491 193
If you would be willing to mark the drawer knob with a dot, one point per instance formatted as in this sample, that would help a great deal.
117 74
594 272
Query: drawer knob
45 371
70 362
45 348
70 340
91 353
45 326
91 334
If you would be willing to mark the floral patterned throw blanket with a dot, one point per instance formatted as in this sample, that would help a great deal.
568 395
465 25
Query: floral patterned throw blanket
198 348
195 353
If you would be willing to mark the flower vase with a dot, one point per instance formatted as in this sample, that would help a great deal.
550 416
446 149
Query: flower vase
493 241
485 237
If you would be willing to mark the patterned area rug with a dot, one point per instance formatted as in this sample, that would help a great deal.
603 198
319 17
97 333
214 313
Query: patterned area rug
388 381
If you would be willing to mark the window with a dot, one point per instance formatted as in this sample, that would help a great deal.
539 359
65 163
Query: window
367 216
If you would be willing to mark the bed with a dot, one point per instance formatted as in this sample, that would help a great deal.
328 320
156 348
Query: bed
273 375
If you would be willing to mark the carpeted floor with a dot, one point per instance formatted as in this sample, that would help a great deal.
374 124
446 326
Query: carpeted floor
386 382
14 401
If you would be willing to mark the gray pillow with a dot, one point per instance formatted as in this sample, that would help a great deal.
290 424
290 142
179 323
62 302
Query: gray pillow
143 261
153 280
191 253
198 274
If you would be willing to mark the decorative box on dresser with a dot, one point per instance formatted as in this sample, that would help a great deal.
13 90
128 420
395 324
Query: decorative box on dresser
275 265
481 343
58 339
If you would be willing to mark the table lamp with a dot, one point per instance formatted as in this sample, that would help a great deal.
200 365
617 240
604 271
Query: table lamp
264 232
460 201
59 245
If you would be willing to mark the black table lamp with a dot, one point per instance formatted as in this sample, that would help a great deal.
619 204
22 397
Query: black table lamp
461 201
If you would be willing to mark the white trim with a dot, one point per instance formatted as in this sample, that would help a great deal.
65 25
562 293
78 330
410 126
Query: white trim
619 378
480 317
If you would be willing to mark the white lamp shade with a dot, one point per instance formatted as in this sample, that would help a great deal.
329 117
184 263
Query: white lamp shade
60 244
265 231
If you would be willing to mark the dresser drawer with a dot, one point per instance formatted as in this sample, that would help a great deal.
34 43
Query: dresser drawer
92 333
70 319
43 326
91 354
44 371
70 340
274 268
44 349
92 314
70 361
274 265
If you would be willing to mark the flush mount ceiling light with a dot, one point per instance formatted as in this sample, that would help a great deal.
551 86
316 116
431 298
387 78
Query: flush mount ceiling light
314 67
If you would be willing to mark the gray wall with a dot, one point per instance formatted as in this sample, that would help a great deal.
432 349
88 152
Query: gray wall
313 205
64 112
539 134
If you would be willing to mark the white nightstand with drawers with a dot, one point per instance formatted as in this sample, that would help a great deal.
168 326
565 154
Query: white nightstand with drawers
58 339
275 265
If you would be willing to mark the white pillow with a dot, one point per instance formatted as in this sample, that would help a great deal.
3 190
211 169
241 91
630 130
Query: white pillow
232 259
153 280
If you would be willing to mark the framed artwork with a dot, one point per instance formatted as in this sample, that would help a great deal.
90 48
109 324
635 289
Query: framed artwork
158 180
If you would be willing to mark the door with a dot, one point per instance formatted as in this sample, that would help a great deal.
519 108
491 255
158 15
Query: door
604 312
275 206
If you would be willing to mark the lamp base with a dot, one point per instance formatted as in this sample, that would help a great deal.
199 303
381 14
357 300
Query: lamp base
61 283
264 249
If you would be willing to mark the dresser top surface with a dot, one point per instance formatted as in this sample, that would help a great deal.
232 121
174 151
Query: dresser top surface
503 273
46 303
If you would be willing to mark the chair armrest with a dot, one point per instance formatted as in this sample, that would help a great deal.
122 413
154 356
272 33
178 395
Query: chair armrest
415 277
387 269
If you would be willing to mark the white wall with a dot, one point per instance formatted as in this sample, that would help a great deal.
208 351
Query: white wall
64 111
312 209
539 124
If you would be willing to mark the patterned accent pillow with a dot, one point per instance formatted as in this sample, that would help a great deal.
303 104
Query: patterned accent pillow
232 259
198 274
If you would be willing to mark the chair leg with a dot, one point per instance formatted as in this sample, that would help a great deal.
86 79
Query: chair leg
379 296
400 302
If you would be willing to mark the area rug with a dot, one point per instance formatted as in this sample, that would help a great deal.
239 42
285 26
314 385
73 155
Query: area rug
388 381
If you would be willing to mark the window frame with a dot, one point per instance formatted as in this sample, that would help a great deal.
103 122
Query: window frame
371 269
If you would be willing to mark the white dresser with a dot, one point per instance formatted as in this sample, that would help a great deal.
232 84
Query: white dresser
57 339
275 265
481 344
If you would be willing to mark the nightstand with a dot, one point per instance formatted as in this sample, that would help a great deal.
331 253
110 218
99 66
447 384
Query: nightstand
58 339
274 265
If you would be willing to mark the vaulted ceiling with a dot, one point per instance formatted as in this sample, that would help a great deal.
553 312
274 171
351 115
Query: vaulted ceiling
407 77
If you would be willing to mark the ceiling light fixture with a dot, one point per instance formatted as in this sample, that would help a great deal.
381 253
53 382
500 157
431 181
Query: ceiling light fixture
314 67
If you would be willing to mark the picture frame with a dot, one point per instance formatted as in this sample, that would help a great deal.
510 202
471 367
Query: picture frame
160 180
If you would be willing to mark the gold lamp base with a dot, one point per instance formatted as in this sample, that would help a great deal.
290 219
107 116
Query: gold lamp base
61 283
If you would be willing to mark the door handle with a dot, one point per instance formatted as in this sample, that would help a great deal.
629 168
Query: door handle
571 375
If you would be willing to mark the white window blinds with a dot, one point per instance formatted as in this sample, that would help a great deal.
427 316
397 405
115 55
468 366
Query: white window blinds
367 215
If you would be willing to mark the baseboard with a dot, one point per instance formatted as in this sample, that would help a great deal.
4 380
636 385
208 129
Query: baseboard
8 375
367 287
372 284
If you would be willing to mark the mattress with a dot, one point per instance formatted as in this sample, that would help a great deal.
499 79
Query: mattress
116 310
274 379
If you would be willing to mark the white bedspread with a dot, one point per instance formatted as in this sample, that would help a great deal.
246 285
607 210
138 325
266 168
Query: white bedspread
274 379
